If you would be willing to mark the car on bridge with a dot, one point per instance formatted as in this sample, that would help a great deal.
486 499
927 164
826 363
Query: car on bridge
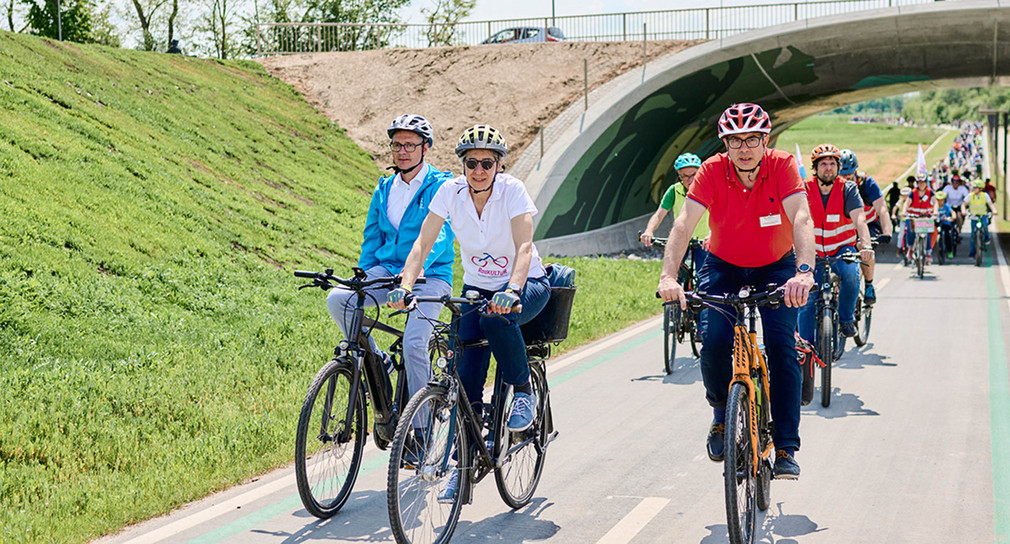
526 34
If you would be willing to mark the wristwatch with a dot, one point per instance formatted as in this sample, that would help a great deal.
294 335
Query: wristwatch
804 268
515 288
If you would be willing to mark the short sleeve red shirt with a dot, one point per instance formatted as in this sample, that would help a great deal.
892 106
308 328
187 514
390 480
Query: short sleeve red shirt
750 227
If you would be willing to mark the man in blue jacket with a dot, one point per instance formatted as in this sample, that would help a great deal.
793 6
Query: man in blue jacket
399 206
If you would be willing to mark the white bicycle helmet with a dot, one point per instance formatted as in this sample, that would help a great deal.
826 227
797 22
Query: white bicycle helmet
481 137
413 123
743 118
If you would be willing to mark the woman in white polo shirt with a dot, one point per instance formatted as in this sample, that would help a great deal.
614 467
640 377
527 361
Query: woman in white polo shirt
491 215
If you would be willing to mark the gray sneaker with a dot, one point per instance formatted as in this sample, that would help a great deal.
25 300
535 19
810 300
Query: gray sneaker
448 493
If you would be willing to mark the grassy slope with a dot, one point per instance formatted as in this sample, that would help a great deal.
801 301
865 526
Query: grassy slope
153 345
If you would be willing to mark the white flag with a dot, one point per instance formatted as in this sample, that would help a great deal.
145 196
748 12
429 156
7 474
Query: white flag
920 164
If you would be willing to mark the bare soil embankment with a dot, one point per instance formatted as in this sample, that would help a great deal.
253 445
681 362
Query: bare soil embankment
515 88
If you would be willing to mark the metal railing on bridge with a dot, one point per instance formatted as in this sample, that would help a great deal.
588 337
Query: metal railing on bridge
678 24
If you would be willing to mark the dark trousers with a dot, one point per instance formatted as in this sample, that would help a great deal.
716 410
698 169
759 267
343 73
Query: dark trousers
719 277
504 339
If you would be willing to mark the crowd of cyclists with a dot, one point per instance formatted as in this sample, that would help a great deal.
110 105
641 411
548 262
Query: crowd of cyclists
761 223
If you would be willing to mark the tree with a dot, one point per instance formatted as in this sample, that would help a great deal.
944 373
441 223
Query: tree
362 12
146 10
442 20
70 21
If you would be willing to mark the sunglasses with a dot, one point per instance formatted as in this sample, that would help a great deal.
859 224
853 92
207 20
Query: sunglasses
486 164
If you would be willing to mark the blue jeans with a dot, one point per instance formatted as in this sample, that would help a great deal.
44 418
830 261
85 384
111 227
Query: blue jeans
848 292
985 232
504 338
779 324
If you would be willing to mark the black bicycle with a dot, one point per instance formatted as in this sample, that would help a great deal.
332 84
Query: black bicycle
978 237
828 340
331 426
679 325
440 436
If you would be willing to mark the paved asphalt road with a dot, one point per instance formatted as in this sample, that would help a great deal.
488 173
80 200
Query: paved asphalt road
914 447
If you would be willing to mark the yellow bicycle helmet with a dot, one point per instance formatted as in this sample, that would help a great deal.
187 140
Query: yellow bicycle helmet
481 137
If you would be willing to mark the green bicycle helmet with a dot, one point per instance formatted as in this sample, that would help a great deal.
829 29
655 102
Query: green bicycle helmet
687 160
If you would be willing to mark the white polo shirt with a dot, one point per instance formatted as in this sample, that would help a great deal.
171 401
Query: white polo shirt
401 193
485 243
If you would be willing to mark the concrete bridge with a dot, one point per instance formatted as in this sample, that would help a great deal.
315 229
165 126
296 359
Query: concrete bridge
598 182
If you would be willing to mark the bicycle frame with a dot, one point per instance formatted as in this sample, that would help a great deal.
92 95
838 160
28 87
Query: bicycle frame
747 361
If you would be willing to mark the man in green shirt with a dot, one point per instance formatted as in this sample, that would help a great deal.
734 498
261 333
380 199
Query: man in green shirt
686 166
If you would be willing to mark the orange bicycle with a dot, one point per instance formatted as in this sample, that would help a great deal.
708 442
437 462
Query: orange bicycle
748 461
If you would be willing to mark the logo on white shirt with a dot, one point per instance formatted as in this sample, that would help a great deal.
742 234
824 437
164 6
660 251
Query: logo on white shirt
490 265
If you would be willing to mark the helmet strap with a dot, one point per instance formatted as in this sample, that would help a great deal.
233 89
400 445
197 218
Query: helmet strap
402 171
489 187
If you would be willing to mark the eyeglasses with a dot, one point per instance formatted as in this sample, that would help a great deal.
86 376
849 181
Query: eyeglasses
685 177
737 143
486 164
408 147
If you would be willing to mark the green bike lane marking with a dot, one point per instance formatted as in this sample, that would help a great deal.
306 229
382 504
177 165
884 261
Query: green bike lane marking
284 506
999 408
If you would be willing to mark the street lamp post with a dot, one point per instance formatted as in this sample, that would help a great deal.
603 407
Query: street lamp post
59 22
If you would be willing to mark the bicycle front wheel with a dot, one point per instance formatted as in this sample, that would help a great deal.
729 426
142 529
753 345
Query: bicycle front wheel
518 472
920 256
827 352
430 445
865 316
741 485
669 338
979 248
329 440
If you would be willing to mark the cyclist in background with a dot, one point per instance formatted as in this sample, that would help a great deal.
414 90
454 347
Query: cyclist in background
878 221
947 219
839 227
491 215
686 166
757 213
979 203
956 193
920 203
399 206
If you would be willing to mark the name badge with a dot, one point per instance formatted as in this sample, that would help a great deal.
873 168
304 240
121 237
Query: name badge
771 220
833 218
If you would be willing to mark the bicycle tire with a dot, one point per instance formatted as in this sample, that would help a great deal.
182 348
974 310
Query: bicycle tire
325 471
669 342
920 256
738 475
827 352
859 339
979 248
764 479
517 476
941 250
415 514
696 337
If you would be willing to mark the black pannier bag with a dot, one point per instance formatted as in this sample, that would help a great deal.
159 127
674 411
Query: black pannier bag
551 324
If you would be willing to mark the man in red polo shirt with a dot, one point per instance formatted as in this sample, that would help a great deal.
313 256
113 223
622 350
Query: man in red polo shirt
758 214
836 208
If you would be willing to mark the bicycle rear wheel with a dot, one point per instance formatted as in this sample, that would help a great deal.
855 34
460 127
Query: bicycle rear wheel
327 446
425 454
669 340
826 351
519 473
979 248
741 507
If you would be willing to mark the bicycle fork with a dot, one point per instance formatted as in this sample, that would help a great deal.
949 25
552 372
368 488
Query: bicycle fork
743 352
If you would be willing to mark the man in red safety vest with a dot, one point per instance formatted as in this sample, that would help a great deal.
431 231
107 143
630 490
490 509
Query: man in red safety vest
839 227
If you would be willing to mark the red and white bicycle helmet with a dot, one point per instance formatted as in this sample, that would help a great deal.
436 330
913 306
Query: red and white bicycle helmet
743 118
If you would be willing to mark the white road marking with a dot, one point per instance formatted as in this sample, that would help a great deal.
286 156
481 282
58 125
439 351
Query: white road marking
882 283
1004 274
632 524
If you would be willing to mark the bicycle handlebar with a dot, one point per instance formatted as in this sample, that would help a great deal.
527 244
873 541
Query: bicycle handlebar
661 242
357 283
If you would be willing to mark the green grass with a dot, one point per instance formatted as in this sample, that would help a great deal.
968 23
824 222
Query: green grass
155 348
884 151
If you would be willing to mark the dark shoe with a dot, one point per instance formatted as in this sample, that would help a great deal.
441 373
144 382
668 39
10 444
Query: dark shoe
786 467
870 294
413 450
848 329
716 443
